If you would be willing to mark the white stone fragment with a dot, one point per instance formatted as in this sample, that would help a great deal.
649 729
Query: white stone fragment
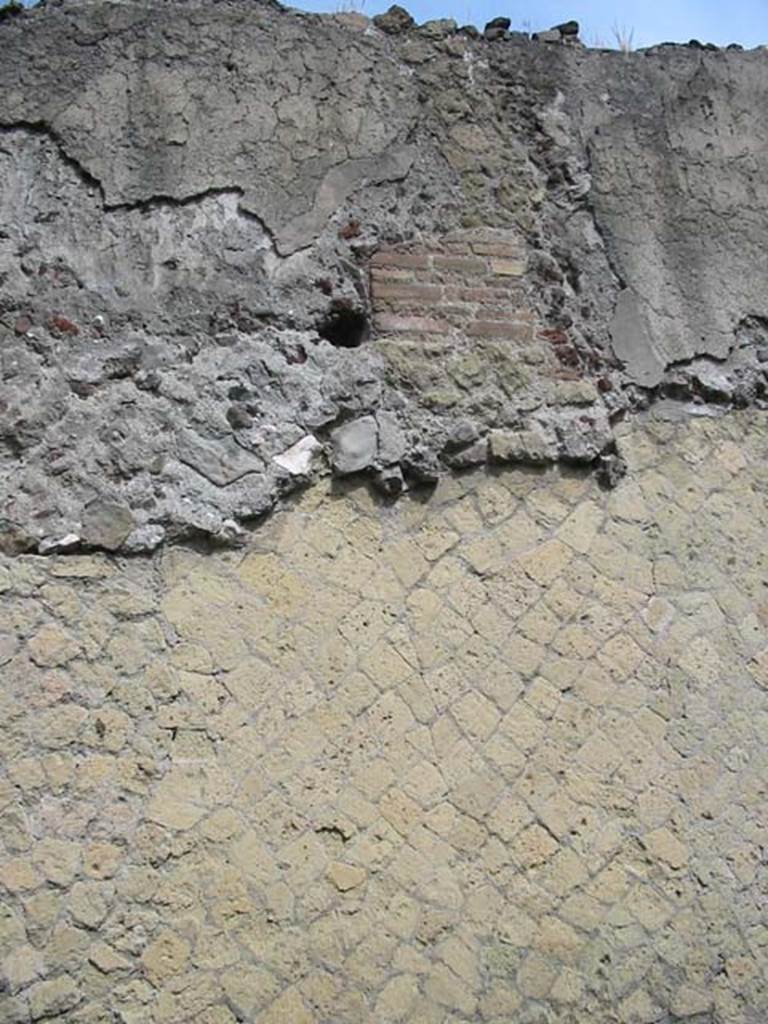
49 545
298 458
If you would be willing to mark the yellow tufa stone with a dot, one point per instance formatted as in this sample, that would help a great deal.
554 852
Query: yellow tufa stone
166 956
346 876
402 763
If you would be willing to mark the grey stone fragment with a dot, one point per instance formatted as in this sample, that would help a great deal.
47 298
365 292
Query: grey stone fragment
53 545
461 434
394 21
575 392
222 463
496 28
421 465
355 445
550 36
238 417
522 446
389 481
583 438
144 539
438 28
106 524
465 458
392 441
567 28
714 380
229 532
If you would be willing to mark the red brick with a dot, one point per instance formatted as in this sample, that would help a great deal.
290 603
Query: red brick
503 311
427 277
60 325
481 295
412 324
554 335
509 249
460 264
511 329
409 293
457 248
390 274
459 316
406 260
466 312
508 268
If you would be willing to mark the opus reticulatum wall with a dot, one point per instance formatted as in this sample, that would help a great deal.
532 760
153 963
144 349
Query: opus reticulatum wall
494 755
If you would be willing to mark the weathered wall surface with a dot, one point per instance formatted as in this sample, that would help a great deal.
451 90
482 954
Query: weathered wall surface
192 195
497 756
471 727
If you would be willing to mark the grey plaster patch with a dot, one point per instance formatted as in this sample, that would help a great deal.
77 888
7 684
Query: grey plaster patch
633 343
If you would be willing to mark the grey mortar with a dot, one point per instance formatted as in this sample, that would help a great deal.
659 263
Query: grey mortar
175 181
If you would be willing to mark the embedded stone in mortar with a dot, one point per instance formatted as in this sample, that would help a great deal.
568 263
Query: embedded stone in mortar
355 445
298 459
106 524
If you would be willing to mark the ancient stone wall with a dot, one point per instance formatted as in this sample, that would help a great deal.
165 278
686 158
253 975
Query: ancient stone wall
383 523
498 755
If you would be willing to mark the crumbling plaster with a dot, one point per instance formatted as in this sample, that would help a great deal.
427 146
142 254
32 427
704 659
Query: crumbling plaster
191 191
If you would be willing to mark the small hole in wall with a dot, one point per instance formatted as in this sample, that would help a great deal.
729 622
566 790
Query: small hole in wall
344 326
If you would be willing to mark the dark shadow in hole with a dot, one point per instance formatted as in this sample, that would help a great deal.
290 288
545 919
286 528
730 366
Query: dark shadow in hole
344 328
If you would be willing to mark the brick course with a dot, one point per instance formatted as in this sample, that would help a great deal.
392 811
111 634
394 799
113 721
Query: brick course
467 285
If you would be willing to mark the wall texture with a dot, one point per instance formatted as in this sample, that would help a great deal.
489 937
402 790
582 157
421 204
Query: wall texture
194 198
382 523
496 756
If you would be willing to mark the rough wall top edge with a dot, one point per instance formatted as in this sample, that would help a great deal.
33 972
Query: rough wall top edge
242 246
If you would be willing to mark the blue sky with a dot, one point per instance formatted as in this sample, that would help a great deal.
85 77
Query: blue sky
653 21
649 21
